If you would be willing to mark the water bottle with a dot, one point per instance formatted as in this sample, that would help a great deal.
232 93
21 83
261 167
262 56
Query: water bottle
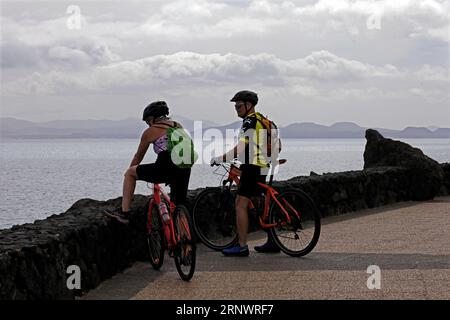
164 213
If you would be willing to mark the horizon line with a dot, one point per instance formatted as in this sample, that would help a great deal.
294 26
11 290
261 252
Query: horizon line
435 127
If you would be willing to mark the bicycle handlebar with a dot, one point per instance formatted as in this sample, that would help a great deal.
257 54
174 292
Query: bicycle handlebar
238 163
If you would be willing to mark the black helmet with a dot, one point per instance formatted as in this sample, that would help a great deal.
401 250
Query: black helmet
246 96
156 109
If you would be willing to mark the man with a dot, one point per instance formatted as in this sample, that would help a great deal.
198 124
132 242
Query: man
252 151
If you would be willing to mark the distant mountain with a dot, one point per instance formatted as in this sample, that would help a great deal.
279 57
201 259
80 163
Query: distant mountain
415 132
189 123
90 124
132 128
442 133
127 128
346 127
432 128
348 130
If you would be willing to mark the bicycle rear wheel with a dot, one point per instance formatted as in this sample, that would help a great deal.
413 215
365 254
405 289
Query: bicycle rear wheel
186 250
155 239
214 217
300 235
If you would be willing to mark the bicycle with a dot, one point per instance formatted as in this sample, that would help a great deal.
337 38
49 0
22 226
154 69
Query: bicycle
291 216
174 234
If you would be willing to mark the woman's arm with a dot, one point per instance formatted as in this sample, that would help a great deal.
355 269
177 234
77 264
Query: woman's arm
146 138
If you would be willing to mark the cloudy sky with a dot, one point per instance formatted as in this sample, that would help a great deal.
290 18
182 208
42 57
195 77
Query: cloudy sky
377 63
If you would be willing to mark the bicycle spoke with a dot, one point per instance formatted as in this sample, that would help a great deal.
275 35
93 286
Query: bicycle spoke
185 251
155 241
298 223
215 218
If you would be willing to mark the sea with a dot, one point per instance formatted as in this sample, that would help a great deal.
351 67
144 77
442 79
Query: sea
44 177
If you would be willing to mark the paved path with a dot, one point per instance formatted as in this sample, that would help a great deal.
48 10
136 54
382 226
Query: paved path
410 242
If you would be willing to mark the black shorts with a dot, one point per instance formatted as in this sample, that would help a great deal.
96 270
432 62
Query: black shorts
250 176
165 171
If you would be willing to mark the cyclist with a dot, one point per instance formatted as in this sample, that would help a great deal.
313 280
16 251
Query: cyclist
252 150
164 170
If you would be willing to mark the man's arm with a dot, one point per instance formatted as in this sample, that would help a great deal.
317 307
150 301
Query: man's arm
233 153
249 123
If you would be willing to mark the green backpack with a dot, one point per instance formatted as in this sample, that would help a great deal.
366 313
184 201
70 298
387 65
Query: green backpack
181 147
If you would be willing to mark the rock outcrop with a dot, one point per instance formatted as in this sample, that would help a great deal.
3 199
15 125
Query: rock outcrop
446 189
427 176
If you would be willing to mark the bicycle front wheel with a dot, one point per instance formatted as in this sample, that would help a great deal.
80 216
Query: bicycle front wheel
298 234
155 239
185 252
214 217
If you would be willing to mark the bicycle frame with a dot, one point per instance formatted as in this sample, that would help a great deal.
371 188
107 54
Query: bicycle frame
233 176
169 232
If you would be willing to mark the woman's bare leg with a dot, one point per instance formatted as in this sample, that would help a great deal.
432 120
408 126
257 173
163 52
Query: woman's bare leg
129 184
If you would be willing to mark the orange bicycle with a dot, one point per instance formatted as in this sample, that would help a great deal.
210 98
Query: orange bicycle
170 227
291 216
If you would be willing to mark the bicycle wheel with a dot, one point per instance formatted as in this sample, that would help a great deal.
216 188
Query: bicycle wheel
186 250
155 240
214 217
299 236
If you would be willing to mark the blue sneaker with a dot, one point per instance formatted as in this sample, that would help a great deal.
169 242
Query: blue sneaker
237 251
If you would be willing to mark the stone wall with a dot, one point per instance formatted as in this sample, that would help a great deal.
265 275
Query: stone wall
34 257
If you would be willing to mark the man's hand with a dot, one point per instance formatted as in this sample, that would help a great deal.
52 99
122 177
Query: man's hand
215 161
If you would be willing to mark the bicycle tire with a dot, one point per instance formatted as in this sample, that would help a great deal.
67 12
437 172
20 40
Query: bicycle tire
155 240
214 217
300 236
185 252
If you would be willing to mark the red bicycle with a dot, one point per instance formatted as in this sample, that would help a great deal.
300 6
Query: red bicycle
170 228
290 216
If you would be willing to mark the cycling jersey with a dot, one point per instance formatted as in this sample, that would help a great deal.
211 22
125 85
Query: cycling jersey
177 141
255 136
160 144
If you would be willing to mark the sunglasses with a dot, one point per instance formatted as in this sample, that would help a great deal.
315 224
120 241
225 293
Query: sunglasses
238 105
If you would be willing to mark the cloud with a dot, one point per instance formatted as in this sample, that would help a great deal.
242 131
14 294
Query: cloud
18 55
286 27
320 74
201 19
47 44
82 52
326 52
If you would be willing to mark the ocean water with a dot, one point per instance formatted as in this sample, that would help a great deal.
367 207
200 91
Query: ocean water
43 177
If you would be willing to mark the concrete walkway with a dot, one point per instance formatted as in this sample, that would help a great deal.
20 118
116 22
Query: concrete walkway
409 242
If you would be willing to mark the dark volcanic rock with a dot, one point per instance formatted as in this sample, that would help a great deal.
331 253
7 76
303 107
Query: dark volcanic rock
446 188
427 176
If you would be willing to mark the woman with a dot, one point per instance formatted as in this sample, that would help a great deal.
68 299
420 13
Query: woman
164 170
